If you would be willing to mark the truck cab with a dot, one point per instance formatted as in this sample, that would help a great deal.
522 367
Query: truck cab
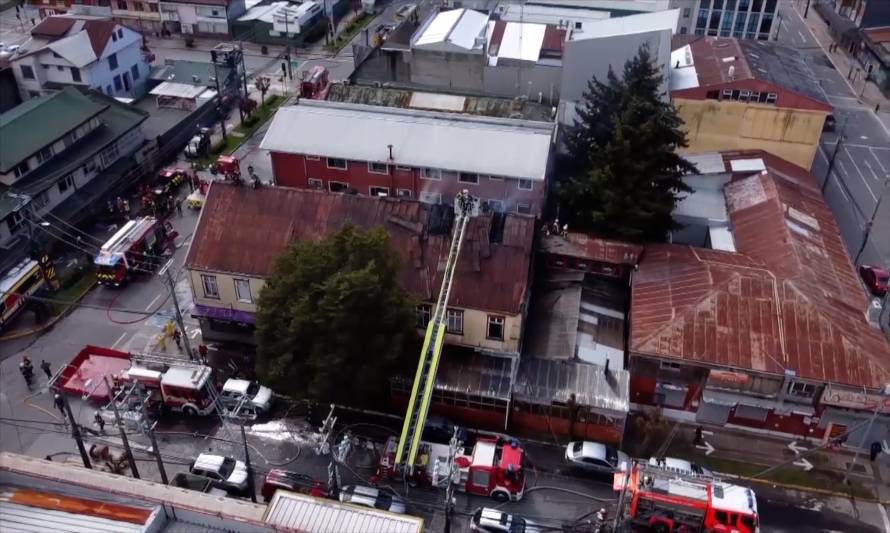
494 469
257 398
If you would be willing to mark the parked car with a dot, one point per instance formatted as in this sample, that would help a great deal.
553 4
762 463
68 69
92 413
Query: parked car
259 398
595 457
875 278
371 497
193 482
225 472
292 481
681 466
495 521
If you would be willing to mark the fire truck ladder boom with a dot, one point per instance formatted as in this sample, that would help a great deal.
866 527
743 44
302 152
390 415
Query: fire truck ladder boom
425 378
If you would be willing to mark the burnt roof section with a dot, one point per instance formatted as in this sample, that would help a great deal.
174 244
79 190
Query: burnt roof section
585 246
716 57
789 299
243 231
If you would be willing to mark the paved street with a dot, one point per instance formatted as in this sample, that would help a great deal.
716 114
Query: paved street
862 168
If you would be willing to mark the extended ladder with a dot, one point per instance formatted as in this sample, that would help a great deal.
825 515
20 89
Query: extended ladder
425 378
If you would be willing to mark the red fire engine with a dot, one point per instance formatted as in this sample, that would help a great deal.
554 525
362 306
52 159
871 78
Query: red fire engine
663 500
23 280
179 387
137 246
315 83
492 467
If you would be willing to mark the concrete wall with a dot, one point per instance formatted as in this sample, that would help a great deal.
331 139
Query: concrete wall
537 82
447 70
588 58
713 125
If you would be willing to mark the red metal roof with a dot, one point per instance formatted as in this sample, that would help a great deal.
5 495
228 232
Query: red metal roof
99 31
53 27
879 35
586 246
554 40
243 231
790 298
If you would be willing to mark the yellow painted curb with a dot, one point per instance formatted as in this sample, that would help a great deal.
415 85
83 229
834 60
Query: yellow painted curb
44 327
803 488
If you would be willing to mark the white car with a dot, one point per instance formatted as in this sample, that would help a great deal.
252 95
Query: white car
681 466
225 472
495 521
259 398
595 457
373 498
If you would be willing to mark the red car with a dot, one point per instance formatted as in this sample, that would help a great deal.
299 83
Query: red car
292 481
875 278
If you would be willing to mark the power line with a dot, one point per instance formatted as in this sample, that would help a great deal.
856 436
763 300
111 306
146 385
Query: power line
45 299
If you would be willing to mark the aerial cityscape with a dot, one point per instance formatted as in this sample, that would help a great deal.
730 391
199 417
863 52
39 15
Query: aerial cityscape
404 266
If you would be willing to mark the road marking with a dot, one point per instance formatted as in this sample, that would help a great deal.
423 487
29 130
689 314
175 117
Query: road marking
802 39
878 159
194 333
870 169
709 449
884 517
794 447
152 303
861 175
118 341
803 463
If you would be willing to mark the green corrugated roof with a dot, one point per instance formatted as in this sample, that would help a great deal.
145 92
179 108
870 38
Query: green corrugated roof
27 128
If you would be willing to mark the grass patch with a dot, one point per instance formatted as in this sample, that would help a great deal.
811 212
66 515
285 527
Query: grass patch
790 475
232 142
72 289
346 36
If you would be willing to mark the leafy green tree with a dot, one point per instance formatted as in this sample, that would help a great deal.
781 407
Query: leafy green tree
623 176
332 320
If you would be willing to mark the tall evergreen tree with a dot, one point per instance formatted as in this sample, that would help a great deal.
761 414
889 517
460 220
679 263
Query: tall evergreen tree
624 175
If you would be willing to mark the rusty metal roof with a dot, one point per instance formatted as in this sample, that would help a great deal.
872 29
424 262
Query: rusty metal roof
789 299
586 246
243 231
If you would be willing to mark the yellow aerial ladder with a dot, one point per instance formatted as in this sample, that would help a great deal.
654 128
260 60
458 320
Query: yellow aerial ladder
465 207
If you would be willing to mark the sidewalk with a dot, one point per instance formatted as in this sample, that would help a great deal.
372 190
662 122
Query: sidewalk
743 454
867 92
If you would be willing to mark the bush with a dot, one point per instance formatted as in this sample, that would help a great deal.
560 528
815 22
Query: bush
218 147
250 121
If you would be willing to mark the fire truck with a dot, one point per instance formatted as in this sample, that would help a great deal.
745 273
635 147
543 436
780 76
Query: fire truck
22 280
492 467
172 385
663 500
136 247
315 83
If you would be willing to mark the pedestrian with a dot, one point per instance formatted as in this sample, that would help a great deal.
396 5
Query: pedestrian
44 365
100 422
119 202
177 337
698 436
202 351
169 328
127 208
179 208
59 403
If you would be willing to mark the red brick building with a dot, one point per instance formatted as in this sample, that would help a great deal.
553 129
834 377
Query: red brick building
424 155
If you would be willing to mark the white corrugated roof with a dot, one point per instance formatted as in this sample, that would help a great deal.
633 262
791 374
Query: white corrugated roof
521 40
438 101
747 165
296 512
77 49
179 90
457 28
642 23
707 163
30 519
500 147
683 73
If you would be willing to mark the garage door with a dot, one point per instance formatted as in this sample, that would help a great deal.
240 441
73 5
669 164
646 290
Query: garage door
712 413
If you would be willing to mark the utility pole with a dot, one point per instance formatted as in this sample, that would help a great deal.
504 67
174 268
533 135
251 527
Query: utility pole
831 160
871 222
324 446
290 72
149 428
171 284
75 432
619 510
250 486
779 23
806 9
120 427
453 445
861 443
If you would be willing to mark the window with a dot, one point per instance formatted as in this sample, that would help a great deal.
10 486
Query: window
315 183
404 193
378 168
89 165
669 365
495 178
431 197
577 25
337 186
109 91
336 163
495 205
404 169
801 390
110 155
242 290
112 61
480 478
69 138
495 327
454 321
135 71
40 201
744 95
430 173
467 177
21 169
27 72
423 314
114 35
153 8
525 185
75 74
721 517
687 12
45 154
15 221
755 96
120 33
66 183
60 68
448 174
313 158
137 6
378 191
210 288
118 85
121 4
684 30
771 98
